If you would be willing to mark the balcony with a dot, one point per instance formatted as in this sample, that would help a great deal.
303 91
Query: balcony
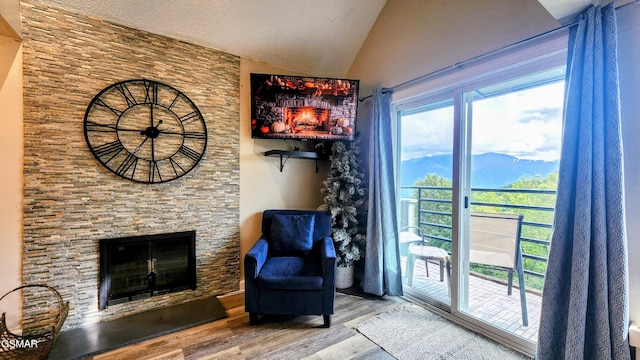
430 207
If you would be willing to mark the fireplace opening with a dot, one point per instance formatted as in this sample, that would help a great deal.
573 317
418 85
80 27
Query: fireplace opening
306 119
138 267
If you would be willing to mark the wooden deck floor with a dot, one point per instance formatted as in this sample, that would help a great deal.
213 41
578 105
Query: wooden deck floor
488 300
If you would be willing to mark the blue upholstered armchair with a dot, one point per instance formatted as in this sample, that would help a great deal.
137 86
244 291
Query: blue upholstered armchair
291 269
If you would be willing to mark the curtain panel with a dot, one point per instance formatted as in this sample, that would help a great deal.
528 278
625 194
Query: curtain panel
585 297
382 272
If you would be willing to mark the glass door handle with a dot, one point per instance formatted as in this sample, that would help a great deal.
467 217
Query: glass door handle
151 265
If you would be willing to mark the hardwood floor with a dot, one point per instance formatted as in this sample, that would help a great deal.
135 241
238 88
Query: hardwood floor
274 337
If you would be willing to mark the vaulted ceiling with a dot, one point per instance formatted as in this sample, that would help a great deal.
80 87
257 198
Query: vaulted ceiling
316 37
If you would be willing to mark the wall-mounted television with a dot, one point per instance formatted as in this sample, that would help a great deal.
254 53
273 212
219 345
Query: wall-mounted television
303 107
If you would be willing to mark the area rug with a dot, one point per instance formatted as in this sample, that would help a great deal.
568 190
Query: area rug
412 332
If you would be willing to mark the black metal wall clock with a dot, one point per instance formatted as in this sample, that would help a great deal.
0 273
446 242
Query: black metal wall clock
145 131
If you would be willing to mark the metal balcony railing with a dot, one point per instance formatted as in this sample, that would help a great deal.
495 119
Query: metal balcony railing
430 208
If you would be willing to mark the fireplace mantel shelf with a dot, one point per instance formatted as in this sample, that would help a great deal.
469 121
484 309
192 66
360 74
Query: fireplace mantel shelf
286 154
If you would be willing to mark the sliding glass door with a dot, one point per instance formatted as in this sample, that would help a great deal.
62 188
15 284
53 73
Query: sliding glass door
511 158
425 178
477 169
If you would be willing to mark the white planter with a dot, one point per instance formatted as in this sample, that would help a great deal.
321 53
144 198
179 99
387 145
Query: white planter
344 277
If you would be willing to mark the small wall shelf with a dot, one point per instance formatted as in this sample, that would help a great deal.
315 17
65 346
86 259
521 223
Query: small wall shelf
285 155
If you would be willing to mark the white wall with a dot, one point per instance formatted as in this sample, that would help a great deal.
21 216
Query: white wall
262 185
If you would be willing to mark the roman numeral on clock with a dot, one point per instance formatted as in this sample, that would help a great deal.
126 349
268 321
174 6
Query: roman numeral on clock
174 101
126 94
109 149
190 117
101 103
175 167
153 171
151 90
130 161
190 153
94 126
194 135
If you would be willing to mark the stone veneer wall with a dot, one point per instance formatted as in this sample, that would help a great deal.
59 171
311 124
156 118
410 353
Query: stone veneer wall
71 201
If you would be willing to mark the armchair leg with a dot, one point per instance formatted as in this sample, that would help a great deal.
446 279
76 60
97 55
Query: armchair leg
327 320
253 318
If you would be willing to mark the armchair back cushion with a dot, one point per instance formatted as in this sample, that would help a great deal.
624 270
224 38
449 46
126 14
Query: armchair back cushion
291 234
321 223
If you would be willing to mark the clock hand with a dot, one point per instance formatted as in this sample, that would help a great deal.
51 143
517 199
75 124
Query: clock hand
94 126
153 152
186 134
139 146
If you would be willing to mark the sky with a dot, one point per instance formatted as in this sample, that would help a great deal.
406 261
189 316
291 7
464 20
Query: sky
526 124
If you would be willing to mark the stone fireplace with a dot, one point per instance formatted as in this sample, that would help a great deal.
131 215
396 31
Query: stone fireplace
71 202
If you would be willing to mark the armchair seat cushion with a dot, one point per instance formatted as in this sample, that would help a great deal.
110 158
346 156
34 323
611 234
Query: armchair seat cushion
290 273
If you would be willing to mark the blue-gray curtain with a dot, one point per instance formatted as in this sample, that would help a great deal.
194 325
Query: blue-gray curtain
585 297
382 272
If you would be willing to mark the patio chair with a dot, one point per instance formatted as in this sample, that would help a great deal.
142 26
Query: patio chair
418 249
494 239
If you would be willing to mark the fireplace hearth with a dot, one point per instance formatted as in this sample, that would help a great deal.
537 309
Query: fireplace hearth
138 267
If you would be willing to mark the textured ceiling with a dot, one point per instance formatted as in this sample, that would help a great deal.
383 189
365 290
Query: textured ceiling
316 37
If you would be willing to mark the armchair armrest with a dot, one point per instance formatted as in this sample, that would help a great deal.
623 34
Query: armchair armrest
255 258
253 261
328 256
327 249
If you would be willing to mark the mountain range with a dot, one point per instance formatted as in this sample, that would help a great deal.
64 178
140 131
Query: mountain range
490 170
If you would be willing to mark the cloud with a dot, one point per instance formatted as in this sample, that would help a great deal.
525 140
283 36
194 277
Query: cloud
543 115
427 133
526 124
